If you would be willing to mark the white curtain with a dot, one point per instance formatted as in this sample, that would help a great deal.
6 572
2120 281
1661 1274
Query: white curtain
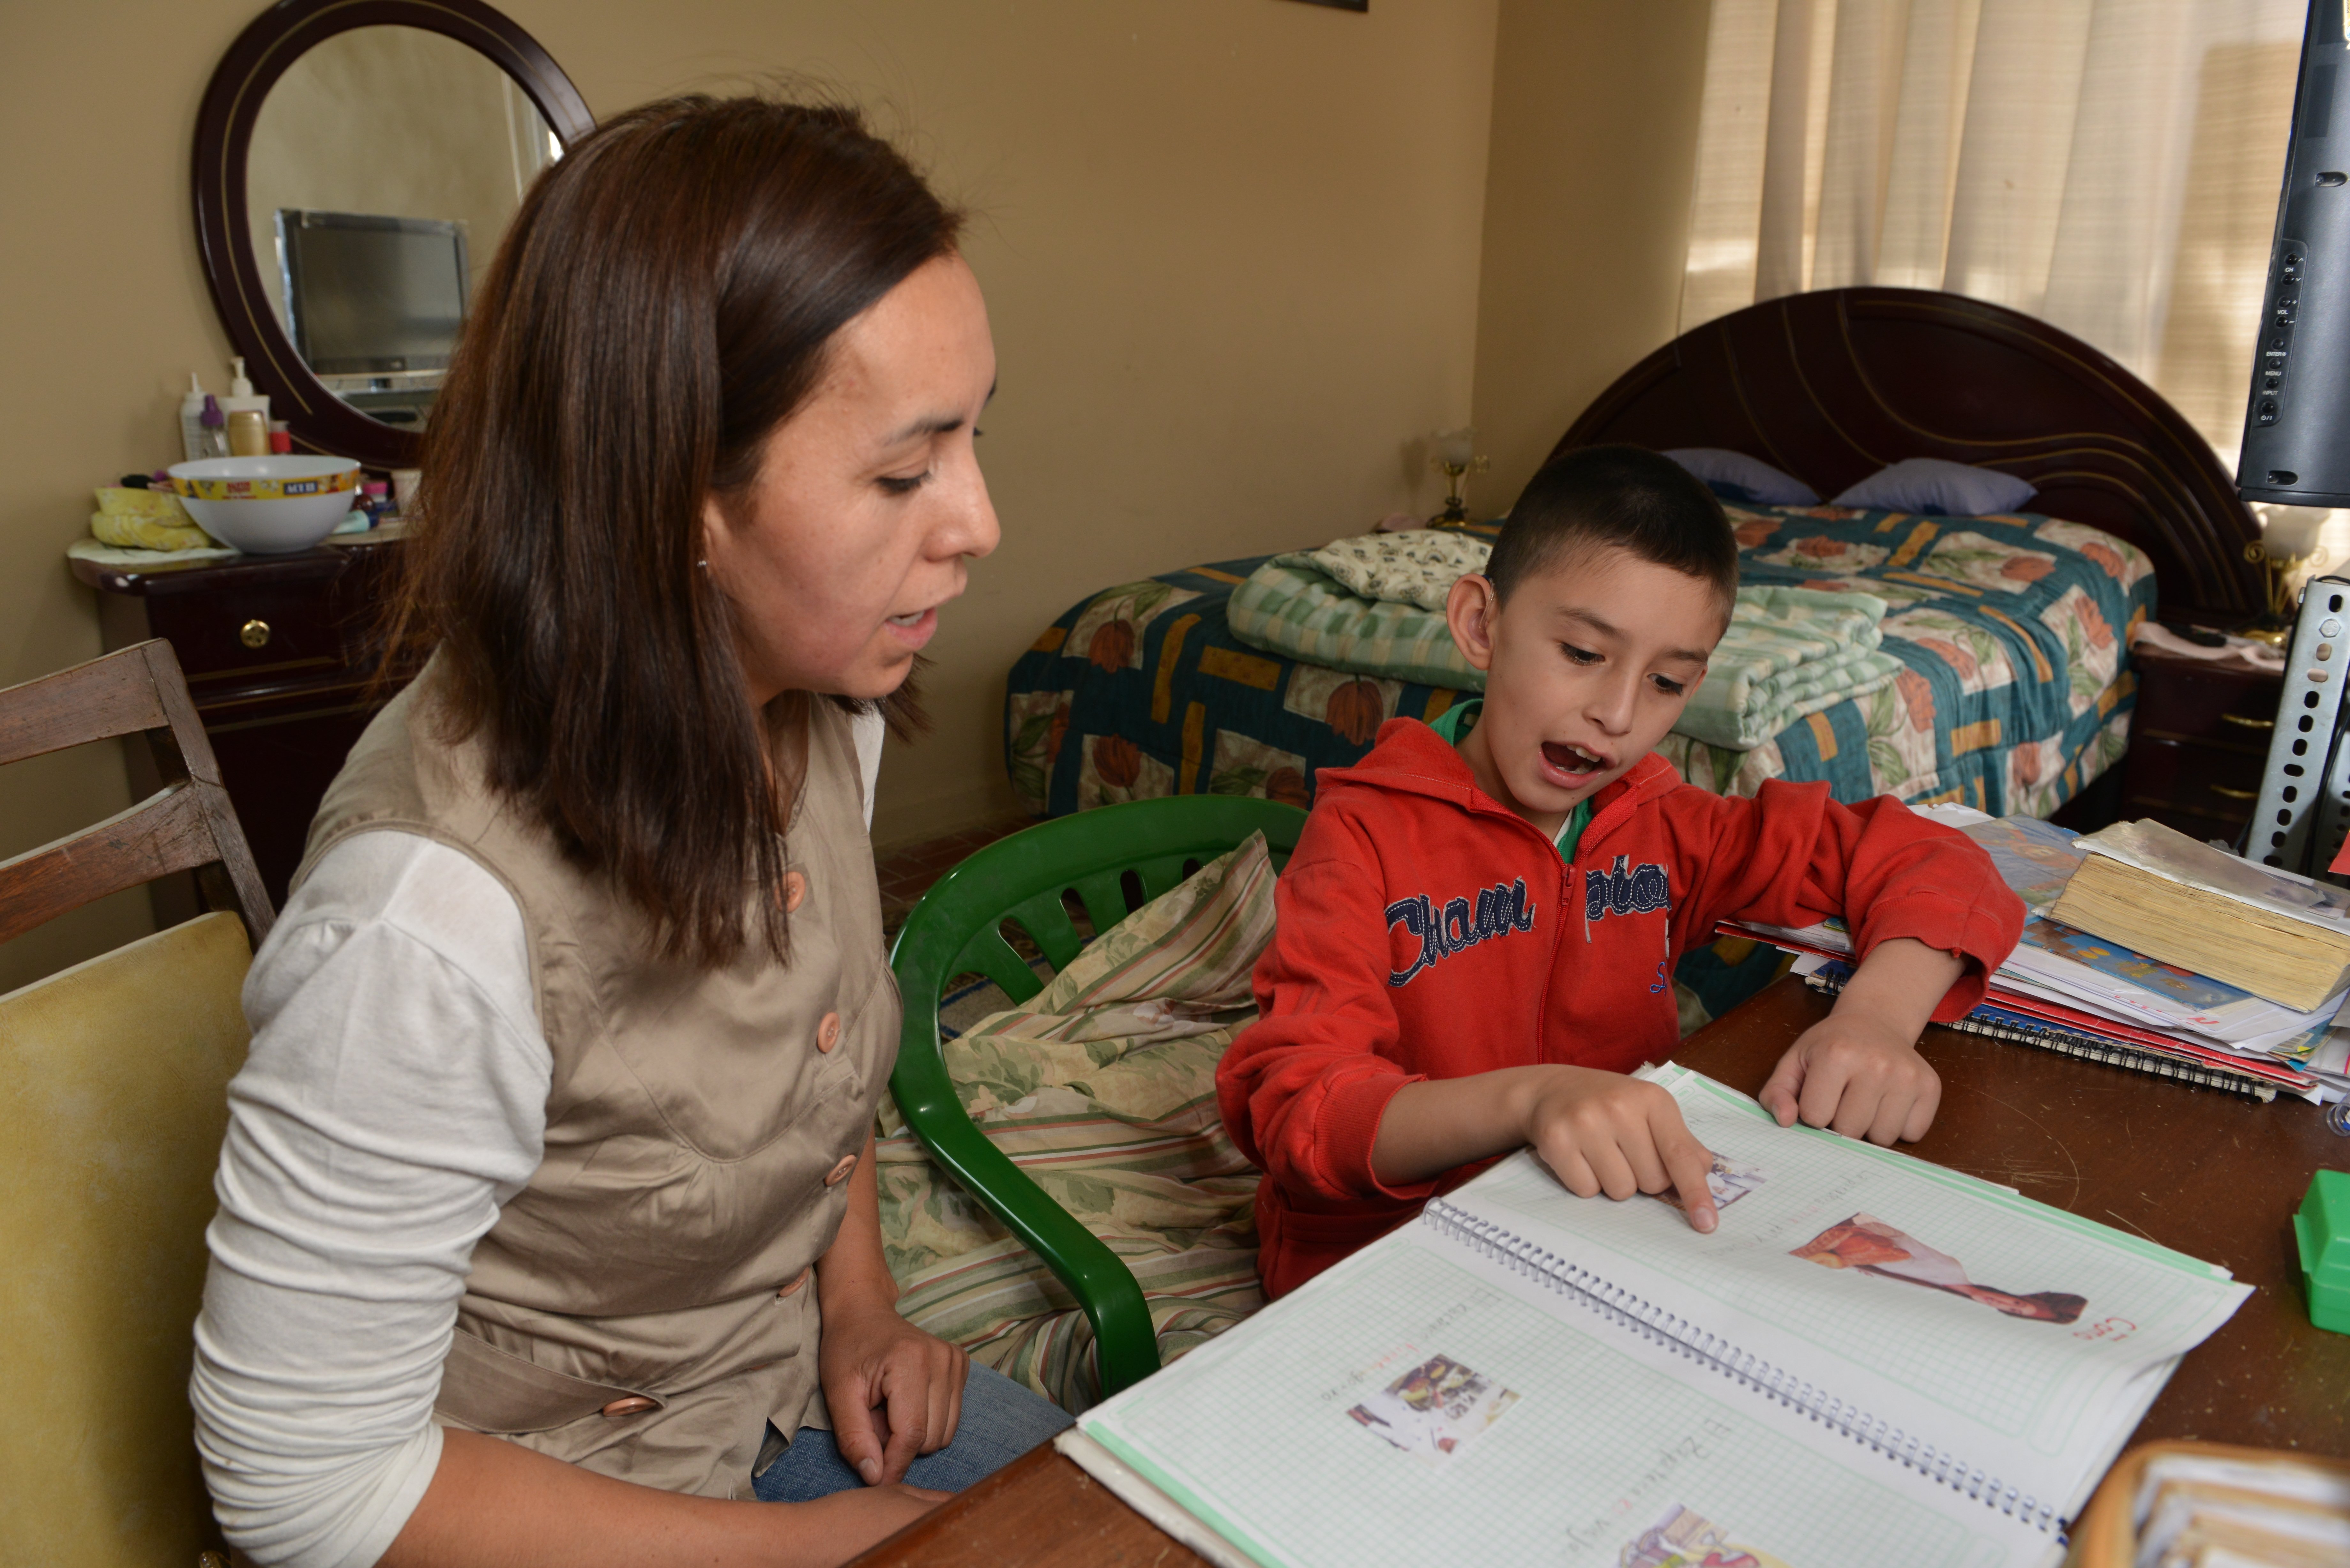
2110 166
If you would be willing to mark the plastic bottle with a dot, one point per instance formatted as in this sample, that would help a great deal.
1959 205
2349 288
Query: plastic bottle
281 438
192 419
213 429
241 399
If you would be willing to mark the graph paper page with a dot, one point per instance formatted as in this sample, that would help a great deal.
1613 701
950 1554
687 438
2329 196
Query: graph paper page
2022 1338
1279 1435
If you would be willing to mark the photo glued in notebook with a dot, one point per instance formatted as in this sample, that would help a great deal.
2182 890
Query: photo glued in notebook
1873 1360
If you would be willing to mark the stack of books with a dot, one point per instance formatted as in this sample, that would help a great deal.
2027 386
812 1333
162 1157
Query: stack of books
2127 1004
2276 935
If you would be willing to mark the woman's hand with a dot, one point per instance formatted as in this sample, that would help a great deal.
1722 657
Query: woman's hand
870 1359
894 1391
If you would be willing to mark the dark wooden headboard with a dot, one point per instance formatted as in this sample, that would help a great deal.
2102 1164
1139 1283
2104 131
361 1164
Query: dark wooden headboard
1833 385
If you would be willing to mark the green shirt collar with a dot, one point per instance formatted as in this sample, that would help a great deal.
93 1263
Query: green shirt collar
1453 726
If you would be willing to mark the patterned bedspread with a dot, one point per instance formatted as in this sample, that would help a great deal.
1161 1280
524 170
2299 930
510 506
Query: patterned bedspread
2013 631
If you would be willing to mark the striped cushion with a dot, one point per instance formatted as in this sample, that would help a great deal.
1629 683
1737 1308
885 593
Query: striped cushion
1103 1090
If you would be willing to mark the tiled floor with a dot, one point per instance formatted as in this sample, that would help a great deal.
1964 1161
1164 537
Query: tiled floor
907 871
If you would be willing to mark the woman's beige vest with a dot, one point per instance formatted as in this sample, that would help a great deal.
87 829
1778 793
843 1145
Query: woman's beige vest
644 1306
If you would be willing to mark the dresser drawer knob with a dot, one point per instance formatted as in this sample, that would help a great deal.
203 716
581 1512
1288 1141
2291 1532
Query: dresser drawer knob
2236 794
254 633
2250 724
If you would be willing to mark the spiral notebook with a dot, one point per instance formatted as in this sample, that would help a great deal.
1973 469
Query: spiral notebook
1873 1360
2258 1076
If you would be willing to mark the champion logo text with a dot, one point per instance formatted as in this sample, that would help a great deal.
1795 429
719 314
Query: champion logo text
1459 924
1621 891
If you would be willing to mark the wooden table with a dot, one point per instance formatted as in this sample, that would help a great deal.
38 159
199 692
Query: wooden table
2210 1174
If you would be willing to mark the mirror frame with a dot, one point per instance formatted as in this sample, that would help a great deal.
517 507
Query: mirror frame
319 420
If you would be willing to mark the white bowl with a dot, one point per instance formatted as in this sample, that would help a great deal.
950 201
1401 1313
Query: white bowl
268 506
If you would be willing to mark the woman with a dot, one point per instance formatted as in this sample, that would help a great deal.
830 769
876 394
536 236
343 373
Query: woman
548 1226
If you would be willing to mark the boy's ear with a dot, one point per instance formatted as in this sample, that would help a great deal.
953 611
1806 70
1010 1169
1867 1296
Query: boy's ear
1469 612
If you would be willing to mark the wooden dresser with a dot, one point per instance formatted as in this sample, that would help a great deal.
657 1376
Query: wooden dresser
280 653
2198 742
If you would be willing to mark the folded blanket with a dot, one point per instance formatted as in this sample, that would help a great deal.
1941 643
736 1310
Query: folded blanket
1287 606
1103 1088
1788 652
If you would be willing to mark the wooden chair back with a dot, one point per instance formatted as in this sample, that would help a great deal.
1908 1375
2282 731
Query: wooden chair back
187 825
113 1078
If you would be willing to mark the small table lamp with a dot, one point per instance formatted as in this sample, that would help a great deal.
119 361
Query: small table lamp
2288 542
1455 457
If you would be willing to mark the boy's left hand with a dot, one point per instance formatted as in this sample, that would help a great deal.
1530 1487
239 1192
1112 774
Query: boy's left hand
1857 1071
1855 1078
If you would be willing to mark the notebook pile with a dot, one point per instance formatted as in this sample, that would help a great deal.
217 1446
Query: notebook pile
2066 990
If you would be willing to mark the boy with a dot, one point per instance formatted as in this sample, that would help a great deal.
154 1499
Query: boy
1477 932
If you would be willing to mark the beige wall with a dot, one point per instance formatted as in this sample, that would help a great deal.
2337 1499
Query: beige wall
102 314
1587 212
1232 250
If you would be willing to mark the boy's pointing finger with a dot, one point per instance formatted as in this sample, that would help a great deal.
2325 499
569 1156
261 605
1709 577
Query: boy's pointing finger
1690 1163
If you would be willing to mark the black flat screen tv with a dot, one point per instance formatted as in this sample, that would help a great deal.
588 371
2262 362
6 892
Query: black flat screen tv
372 296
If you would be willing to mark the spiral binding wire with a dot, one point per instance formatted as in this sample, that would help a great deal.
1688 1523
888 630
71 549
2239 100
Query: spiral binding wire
2202 1076
1622 1307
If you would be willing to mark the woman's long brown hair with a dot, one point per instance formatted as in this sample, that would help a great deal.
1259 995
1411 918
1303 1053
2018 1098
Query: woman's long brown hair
662 301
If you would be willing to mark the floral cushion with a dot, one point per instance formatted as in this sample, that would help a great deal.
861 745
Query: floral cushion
1102 1088
1415 567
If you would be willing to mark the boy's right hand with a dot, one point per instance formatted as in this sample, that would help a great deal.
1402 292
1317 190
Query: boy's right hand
1603 1132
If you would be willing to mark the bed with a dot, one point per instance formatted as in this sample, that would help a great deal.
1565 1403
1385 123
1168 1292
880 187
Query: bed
2015 689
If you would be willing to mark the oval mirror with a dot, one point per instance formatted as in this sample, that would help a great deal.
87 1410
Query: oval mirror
355 166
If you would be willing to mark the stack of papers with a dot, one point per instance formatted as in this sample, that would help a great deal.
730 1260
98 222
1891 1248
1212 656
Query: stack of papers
2068 981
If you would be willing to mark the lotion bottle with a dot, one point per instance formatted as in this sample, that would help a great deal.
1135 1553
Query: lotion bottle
191 420
242 400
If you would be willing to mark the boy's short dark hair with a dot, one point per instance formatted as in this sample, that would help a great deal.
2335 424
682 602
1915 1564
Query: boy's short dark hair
1626 496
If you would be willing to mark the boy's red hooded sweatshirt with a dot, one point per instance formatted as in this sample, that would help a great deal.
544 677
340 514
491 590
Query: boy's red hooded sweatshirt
1426 931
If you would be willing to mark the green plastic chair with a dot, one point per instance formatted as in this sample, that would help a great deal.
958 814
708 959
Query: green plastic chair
955 929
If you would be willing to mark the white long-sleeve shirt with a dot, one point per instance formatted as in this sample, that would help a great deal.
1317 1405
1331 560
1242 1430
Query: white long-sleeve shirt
393 1099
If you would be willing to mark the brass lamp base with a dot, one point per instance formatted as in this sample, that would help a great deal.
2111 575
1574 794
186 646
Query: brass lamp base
1456 509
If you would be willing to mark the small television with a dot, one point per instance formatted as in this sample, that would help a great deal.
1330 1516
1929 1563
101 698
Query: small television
372 296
